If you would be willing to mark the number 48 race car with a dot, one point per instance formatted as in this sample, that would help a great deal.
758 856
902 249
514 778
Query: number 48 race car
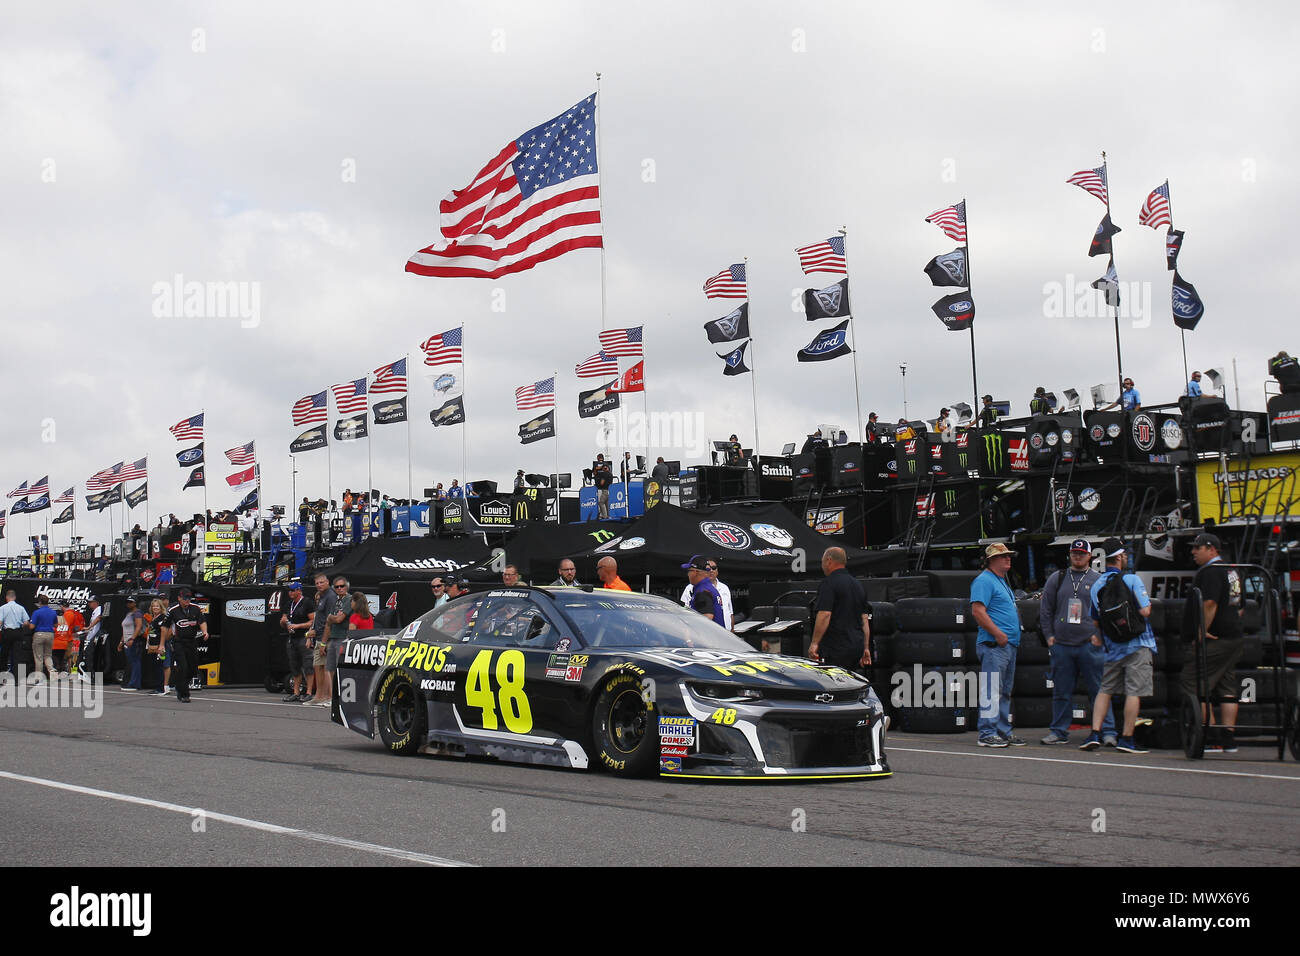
629 682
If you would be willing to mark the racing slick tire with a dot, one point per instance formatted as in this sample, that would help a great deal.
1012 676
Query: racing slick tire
623 729
400 715
1190 727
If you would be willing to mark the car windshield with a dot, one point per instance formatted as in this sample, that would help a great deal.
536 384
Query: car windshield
605 620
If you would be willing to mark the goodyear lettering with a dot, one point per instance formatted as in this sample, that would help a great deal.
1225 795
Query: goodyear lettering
611 763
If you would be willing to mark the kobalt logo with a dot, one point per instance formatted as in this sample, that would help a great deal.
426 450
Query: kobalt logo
725 534
448 686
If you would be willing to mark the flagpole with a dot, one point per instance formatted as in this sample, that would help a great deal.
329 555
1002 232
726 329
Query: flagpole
600 199
853 337
555 418
974 377
753 363
464 421
409 485
1181 331
370 480
1119 355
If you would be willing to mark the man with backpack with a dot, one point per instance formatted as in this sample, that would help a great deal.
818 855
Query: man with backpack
1122 609
1065 619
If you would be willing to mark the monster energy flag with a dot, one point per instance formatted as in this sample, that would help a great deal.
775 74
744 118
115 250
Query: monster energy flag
100 501
1173 244
68 515
948 269
309 440
391 412
450 412
1187 305
957 311
1101 240
195 479
350 429
538 429
730 327
735 361
138 496
190 456
828 345
831 302
592 403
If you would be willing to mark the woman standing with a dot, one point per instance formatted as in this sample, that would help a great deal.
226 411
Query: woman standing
154 621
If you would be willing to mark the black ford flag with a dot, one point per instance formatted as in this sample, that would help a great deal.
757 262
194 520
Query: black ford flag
68 514
391 411
139 496
537 429
195 480
250 501
39 503
956 311
734 362
1173 244
828 345
1187 305
831 302
309 440
597 400
352 427
731 327
450 412
948 269
1100 245
190 456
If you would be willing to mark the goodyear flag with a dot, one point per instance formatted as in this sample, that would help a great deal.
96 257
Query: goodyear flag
948 269
309 440
1100 245
190 456
68 514
101 500
956 311
602 399
139 496
1173 244
352 428
1187 305
831 302
450 412
391 411
828 345
195 480
731 327
538 429
734 362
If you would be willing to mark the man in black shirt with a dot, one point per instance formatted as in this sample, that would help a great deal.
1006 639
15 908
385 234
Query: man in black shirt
1220 588
1038 405
183 624
603 477
842 630
298 621
988 413
875 430
1286 370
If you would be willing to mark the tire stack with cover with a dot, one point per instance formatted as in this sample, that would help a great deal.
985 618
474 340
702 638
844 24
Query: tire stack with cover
933 682
1031 691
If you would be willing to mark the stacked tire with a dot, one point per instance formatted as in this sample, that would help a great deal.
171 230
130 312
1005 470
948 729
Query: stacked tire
1031 690
933 681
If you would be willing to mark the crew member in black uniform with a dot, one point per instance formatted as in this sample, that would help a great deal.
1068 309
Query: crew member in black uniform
1286 370
183 624
1038 405
875 430
735 454
988 413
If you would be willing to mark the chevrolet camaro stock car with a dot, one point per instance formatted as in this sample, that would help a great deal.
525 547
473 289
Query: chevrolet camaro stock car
632 683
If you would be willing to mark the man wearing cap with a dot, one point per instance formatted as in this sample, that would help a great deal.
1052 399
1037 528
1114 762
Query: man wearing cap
607 571
942 423
1128 663
1130 399
735 454
183 624
842 626
132 643
439 588
1194 386
297 621
998 639
1221 630
875 430
704 597
1039 405
1065 619
988 413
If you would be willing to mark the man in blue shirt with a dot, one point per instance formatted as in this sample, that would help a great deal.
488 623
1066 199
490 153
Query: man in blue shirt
704 596
44 621
1128 663
1130 398
1194 386
994 608
13 619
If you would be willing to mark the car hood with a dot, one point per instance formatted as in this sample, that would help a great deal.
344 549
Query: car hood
752 670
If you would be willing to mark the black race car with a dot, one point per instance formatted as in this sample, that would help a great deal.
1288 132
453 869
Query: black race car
631 682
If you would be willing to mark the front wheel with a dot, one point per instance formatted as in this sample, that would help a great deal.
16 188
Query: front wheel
624 729
1191 727
402 720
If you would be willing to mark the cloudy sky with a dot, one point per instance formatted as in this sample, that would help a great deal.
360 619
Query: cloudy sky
305 149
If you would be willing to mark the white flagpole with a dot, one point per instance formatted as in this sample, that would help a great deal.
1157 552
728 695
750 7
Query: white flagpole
753 363
853 342
600 204
409 485
464 394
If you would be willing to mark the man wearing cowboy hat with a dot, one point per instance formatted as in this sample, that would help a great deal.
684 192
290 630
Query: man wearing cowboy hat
994 608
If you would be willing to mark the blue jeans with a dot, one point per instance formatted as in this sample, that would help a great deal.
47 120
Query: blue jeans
1067 664
997 671
134 651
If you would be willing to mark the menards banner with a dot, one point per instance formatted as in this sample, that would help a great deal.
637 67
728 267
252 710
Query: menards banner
1267 485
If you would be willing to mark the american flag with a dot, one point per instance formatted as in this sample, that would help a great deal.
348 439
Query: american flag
1155 211
444 348
350 397
242 454
41 487
622 341
2 517
66 497
390 378
19 492
727 284
191 429
133 471
825 256
952 220
538 395
1093 181
104 479
600 365
535 200
310 410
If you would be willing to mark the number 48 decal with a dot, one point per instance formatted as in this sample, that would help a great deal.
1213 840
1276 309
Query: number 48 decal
515 712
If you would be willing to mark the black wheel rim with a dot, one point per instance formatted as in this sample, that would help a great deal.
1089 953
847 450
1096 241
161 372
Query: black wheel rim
627 721
401 711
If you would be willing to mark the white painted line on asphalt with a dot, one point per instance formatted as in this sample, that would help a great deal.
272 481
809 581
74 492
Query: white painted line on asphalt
1099 763
208 695
327 838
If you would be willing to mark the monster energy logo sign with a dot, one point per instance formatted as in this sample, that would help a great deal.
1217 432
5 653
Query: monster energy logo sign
994 451
949 501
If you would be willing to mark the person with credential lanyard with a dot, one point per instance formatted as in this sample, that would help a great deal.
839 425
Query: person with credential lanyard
997 640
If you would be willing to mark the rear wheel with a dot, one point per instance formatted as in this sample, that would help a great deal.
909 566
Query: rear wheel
624 729
401 720
1295 730
1191 727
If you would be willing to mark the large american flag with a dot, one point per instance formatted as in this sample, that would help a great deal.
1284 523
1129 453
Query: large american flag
827 256
41 487
727 284
1092 181
132 472
600 365
1155 211
2 517
242 454
19 492
952 220
191 429
621 341
67 496
310 410
538 395
535 200
444 348
350 397
106 478
390 379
